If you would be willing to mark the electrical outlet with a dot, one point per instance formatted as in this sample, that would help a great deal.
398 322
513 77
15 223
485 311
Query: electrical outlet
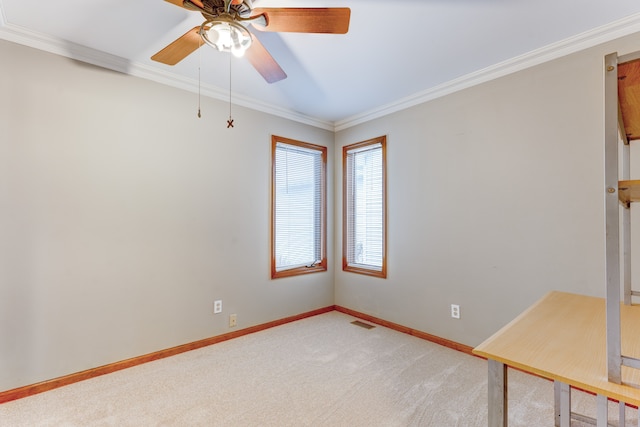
455 311
217 306
233 320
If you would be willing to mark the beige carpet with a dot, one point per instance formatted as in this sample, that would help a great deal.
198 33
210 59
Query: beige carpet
321 371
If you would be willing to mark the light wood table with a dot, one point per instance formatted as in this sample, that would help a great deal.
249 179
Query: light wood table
563 337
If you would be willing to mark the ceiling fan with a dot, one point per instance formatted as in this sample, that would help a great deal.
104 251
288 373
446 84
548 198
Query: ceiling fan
226 29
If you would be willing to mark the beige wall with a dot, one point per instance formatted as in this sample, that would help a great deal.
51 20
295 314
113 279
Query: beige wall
495 197
123 217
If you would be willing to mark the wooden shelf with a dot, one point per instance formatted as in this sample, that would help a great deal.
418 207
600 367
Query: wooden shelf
629 191
629 97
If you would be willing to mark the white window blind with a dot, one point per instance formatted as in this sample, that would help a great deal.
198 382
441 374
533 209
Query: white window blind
365 206
298 199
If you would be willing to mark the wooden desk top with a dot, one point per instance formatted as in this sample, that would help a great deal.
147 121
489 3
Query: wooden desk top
563 337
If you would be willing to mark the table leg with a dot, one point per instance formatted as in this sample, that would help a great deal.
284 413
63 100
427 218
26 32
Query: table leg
603 411
497 394
622 418
562 404
556 402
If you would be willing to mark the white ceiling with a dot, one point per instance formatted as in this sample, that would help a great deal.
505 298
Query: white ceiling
397 52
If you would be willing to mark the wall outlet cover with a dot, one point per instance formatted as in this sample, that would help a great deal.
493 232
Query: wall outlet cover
217 306
455 311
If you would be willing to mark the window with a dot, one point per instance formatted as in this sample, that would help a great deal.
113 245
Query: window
364 208
298 227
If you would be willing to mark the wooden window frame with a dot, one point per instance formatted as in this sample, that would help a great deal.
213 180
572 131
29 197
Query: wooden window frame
322 265
382 272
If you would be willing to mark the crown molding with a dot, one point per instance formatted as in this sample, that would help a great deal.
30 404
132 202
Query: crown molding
588 39
215 92
591 38
26 37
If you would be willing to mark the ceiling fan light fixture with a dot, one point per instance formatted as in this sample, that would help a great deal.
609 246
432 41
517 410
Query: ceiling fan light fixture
226 36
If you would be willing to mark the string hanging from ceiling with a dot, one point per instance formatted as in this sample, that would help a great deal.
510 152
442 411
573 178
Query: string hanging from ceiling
230 121
199 65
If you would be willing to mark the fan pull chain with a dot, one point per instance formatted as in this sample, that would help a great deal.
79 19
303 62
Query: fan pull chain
230 121
199 65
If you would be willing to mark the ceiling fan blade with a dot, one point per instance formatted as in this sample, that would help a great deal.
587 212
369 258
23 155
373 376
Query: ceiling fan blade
179 49
263 62
188 4
333 20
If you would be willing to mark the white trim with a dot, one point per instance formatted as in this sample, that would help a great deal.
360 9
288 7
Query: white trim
605 33
211 91
23 36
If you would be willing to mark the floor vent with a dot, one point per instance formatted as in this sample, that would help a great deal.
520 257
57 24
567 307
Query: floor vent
362 324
